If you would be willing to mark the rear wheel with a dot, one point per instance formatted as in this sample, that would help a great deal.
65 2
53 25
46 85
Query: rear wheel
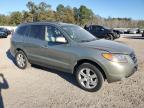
89 77
21 60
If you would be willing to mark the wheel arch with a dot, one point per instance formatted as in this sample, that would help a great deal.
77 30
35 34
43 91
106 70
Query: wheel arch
19 49
80 62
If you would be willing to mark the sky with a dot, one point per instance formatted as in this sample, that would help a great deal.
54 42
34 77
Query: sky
114 8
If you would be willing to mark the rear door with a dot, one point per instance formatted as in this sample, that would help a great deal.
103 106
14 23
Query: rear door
34 39
98 31
17 39
93 30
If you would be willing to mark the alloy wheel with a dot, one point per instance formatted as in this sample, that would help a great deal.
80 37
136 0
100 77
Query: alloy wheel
88 78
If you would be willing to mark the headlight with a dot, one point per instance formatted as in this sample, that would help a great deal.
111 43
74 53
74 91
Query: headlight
115 57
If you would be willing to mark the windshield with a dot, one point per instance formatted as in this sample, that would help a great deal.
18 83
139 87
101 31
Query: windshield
78 33
106 27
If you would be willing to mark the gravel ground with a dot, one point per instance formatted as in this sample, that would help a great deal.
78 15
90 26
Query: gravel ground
44 88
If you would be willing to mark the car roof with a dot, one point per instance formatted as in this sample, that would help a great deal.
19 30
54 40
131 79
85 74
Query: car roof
45 23
97 25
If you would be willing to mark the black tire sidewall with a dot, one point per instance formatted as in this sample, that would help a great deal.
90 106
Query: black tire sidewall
97 72
110 37
26 63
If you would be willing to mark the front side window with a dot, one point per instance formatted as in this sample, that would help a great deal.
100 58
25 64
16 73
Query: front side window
37 32
51 33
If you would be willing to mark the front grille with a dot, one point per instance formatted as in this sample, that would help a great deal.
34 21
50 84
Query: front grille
133 57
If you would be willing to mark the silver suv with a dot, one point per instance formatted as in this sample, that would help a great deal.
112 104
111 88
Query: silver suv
72 49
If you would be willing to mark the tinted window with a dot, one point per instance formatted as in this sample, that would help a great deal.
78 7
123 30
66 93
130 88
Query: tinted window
21 30
96 28
52 33
37 31
27 31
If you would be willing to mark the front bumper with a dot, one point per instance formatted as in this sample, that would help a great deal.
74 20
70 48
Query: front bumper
122 75
118 71
3 35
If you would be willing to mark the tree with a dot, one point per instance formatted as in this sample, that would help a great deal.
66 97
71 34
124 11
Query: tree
80 16
27 17
32 9
65 14
4 20
85 14
44 7
76 15
60 12
44 12
16 18
69 15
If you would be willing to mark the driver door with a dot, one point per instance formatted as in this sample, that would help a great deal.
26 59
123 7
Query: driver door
56 54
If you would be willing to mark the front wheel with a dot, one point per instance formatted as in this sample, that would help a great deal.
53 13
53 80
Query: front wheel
89 77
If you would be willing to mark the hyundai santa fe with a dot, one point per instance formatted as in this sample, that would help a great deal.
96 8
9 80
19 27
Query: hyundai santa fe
70 48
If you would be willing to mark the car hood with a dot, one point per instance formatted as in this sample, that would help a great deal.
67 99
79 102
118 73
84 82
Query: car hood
109 46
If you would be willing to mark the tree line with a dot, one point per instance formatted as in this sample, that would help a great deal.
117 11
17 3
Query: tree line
67 14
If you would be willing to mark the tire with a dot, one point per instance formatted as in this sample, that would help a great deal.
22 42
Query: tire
109 37
89 77
21 60
118 36
5 36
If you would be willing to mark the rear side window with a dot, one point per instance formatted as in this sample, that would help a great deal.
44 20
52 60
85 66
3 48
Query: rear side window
37 32
21 30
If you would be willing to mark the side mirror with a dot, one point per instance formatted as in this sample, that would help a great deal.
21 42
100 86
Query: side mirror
61 40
